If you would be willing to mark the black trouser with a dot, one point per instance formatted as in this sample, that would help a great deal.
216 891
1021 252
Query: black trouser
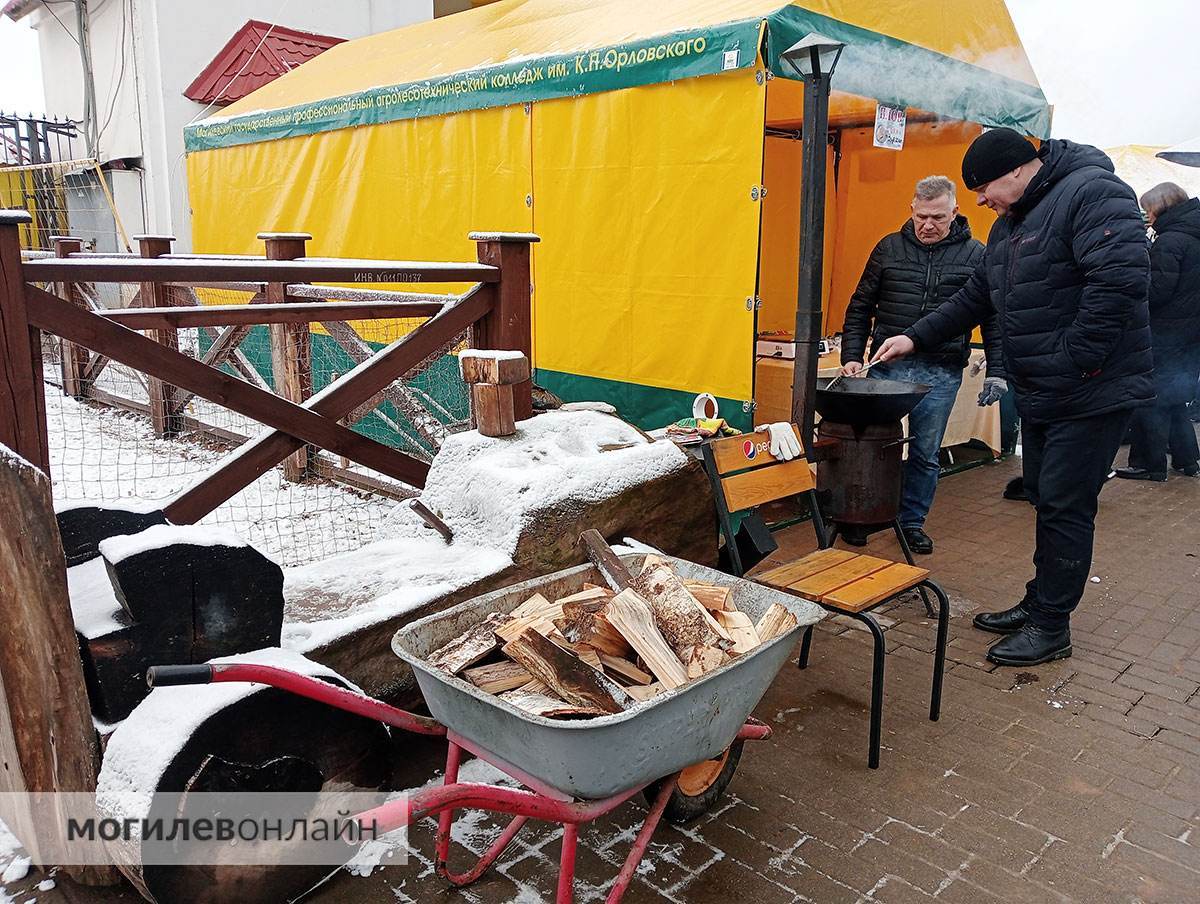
1065 464
1157 429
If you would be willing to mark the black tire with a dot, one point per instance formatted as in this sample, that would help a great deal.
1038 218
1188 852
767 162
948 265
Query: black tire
699 788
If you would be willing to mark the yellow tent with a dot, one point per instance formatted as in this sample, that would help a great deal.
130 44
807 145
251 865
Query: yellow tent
636 139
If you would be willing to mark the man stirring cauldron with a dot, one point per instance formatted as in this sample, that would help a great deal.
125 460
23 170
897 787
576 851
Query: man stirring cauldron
1067 271
909 274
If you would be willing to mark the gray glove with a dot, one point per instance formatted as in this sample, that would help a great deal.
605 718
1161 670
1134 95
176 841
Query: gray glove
993 389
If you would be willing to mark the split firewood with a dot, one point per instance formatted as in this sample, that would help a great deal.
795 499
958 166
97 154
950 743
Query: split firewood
541 705
775 621
536 687
740 628
625 669
703 660
566 674
711 596
587 654
651 561
497 677
537 611
590 593
641 692
682 621
470 647
633 617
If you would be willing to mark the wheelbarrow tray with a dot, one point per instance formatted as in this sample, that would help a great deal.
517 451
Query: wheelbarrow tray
601 757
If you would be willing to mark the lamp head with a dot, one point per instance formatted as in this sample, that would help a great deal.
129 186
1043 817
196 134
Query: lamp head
814 55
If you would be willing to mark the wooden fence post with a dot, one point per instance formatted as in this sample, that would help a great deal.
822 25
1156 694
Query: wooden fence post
47 741
156 295
22 398
510 324
74 357
291 351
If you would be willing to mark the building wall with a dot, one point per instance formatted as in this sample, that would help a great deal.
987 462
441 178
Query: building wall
145 52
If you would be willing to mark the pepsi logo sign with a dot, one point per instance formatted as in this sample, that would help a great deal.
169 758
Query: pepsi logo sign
749 450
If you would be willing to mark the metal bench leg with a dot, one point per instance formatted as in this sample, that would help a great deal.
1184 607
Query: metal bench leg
876 686
908 557
939 653
805 645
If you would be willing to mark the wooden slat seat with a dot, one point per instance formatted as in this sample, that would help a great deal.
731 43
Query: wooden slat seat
842 580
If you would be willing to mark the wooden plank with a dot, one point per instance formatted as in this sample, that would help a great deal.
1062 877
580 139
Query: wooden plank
749 450
497 677
312 269
751 488
470 647
569 677
21 427
633 617
47 742
822 559
477 367
710 596
741 627
163 420
174 318
778 619
877 586
492 409
625 669
816 586
302 423
335 401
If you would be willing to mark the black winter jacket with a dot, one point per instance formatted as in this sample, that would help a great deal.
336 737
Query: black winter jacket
905 279
1068 272
1175 302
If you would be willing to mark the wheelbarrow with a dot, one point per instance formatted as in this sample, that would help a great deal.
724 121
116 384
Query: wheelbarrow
678 749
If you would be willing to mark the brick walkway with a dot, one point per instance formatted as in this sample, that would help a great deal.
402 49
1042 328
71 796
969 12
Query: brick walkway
1077 781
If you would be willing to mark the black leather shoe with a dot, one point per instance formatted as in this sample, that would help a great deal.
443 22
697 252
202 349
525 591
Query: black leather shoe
918 541
1005 622
1141 474
1032 645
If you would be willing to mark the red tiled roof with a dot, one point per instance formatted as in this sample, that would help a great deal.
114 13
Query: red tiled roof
257 53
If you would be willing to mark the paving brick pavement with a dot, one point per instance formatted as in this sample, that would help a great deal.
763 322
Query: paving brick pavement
1075 781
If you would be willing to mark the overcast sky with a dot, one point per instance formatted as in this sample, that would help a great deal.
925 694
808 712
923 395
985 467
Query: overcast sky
1117 72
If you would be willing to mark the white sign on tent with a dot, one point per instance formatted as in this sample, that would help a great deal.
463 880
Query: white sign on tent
889 126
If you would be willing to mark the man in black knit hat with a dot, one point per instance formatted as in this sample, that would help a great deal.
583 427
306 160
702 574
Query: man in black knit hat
1067 272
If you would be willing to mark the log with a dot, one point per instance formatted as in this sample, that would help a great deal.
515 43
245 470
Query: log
741 628
82 527
775 621
497 677
645 692
569 677
492 407
683 621
541 705
487 367
625 669
469 648
703 660
711 596
600 554
633 617
47 742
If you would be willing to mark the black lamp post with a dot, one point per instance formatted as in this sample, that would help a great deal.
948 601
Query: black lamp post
811 59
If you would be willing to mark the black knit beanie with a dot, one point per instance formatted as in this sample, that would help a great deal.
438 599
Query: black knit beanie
994 153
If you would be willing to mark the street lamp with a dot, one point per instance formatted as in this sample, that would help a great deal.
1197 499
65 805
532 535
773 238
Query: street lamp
812 60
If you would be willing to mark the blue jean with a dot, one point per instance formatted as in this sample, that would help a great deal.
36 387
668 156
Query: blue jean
927 427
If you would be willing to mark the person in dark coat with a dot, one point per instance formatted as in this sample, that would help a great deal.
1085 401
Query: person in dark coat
909 273
1067 270
1175 332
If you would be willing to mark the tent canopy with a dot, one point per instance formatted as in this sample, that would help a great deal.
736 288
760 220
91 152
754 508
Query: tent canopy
1187 153
1143 167
961 60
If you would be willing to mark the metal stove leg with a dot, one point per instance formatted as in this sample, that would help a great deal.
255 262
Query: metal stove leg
909 558
566 864
641 842
939 653
805 644
876 686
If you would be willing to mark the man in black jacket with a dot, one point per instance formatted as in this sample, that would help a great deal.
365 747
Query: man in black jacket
1175 333
1067 271
910 273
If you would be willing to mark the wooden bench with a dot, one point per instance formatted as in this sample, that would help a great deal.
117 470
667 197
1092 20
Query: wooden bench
745 475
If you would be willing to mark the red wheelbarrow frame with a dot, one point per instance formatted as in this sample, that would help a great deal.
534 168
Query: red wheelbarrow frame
535 801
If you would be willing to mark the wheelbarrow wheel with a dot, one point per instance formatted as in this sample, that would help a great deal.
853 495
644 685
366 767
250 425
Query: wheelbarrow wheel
700 786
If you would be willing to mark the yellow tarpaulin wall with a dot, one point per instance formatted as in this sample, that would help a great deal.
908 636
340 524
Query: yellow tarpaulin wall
649 232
